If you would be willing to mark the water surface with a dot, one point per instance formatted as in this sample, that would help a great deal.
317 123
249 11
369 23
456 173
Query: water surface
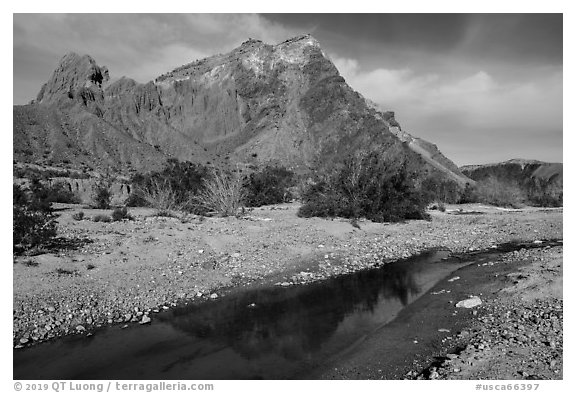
255 334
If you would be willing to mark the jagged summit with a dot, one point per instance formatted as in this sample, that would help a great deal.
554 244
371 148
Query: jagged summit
254 54
257 104
73 76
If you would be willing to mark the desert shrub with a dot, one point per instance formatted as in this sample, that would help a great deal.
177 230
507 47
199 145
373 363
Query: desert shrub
170 189
544 193
101 196
19 197
221 193
32 228
365 185
65 272
39 197
121 213
102 218
61 192
469 194
79 216
437 188
268 186
546 200
497 192
160 195
46 174
34 224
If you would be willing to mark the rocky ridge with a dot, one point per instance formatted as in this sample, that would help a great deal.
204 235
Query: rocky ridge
259 103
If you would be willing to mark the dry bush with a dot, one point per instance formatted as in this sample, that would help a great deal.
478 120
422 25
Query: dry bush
121 213
34 224
368 185
161 196
102 218
222 193
268 186
499 193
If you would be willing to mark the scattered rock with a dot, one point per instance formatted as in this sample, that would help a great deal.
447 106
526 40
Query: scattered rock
145 319
474 301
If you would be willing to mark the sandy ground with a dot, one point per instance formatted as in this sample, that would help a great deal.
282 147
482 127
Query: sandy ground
126 271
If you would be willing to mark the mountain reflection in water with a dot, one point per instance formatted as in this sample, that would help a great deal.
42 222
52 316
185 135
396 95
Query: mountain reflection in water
259 333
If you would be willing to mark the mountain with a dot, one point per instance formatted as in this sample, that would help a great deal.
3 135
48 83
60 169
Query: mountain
285 104
536 178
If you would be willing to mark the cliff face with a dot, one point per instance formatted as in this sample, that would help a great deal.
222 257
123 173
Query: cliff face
260 103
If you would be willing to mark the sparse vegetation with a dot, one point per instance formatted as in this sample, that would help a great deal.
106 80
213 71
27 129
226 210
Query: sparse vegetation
161 196
41 196
61 192
102 195
102 218
365 185
65 272
495 192
34 224
28 172
268 186
121 213
30 263
79 216
437 188
222 193
540 193
173 188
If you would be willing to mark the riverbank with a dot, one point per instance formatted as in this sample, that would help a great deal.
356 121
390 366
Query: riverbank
516 332
123 272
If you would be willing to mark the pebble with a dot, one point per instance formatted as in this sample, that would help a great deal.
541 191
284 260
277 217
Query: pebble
145 319
474 301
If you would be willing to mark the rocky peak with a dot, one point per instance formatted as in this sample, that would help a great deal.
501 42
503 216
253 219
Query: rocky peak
75 77
250 42
259 103
304 39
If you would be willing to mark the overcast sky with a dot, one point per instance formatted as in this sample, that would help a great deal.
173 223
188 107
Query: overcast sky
484 88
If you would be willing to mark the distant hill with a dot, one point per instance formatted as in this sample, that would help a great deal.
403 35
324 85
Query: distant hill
258 104
536 178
